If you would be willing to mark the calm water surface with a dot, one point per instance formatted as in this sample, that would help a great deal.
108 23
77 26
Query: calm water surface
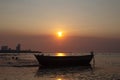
107 67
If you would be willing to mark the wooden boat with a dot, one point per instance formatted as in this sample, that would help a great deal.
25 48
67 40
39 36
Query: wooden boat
64 60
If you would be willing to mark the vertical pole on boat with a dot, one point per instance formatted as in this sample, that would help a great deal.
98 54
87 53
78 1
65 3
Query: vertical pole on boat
92 53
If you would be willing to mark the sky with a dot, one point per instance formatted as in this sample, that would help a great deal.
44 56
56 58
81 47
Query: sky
86 25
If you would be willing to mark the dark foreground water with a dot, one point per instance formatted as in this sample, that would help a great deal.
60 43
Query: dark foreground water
107 67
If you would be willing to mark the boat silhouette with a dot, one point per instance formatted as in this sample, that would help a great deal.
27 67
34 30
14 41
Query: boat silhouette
60 61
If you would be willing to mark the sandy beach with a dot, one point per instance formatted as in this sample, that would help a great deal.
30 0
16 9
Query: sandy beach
26 68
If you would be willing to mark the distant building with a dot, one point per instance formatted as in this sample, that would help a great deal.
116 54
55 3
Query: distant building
9 49
3 48
18 47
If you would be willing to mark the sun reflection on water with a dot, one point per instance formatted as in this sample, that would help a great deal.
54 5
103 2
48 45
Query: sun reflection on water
58 79
60 54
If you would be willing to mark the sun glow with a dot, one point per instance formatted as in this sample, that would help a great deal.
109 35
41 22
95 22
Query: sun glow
60 54
60 34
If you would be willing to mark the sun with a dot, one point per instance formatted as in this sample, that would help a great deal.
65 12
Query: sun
60 34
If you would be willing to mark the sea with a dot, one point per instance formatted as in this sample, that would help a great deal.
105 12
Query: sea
24 66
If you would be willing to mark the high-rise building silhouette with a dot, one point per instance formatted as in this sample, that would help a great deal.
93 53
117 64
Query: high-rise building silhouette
4 48
18 47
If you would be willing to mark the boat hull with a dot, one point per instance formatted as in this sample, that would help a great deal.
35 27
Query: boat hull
64 60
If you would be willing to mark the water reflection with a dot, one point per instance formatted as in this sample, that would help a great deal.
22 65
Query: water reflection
60 54
59 79
64 71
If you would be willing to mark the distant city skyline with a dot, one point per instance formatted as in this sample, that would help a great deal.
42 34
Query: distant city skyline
86 24
17 49
6 47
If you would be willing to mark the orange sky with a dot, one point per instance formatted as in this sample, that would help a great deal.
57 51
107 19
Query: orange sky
86 24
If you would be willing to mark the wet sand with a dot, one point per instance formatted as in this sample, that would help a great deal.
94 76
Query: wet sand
26 67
